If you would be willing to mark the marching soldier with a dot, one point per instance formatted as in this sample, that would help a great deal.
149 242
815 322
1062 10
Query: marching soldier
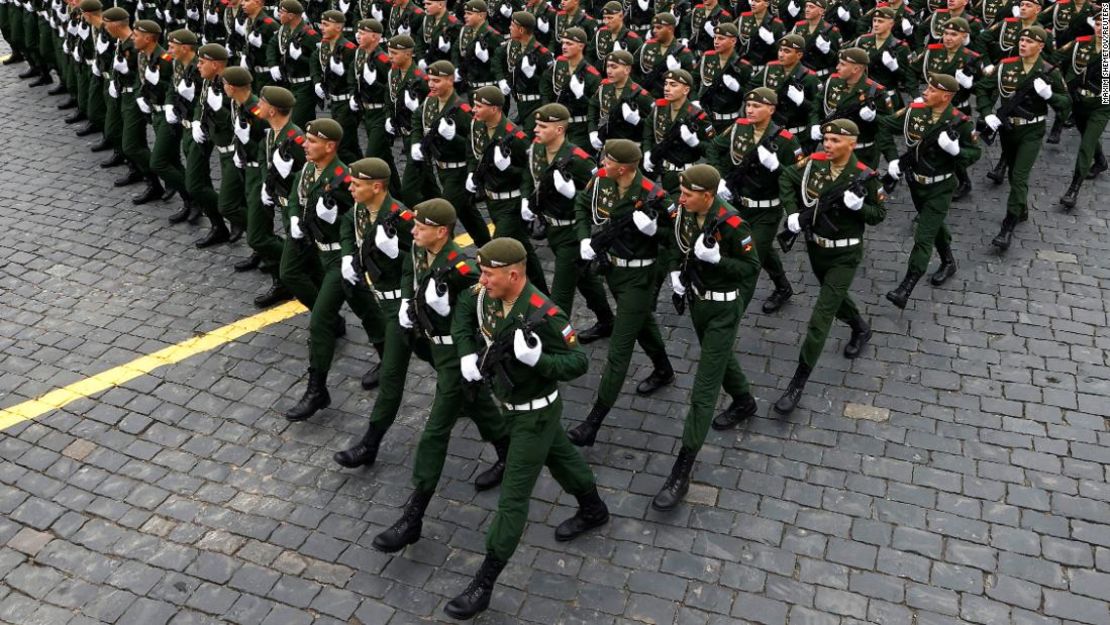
758 30
661 54
94 38
845 14
831 194
903 15
165 157
129 132
942 140
1091 114
404 18
612 35
500 13
619 107
755 152
154 69
280 156
221 133
822 39
572 15
674 131
621 197
545 15
475 49
1071 19
722 76
519 66
437 30
105 65
253 44
208 125
700 26
796 86
850 94
294 47
889 56
545 353
408 86
369 91
714 266
1027 86
248 131
568 80
331 66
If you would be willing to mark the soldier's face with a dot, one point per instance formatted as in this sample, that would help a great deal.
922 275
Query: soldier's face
956 5
330 30
440 86
617 72
758 6
663 32
252 6
434 8
813 11
758 112
570 6
399 58
548 132
473 19
1029 10
881 26
316 149
936 97
285 17
850 71
1028 48
572 49
613 21
144 41
723 44
485 112
695 201
516 31
674 91
498 280
789 56
369 39
209 69
364 190
952 39
426 236
838 146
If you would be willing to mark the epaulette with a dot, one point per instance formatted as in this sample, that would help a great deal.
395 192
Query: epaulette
464 107
644 91
799 23
709 52
452 255
297 137
417 10
509 126
646 184
734 221
338 171
941 11
936 46
726 12
974 54
542 49
701 114
651 40
874 83
661 102
834 75
383 57
774 63
580 153
349 45
560 12
167 57
520 135
1011 59
633 34
746 14
267 20
786 134
418 73
561 58
743 121
699 6
605 81
775 19
600 172
1084 38
592 70
917 105
310 32
451 18
819 156
463 268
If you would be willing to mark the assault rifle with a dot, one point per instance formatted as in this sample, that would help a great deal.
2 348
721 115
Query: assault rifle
688 273
364 261
1012 107
418 310
482 171
909 159
429 143
495 361
741 176
614 235
538 227
832 199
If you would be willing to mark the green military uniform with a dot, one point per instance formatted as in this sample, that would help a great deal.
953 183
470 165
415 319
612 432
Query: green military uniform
369 88
797 89
1081 72
883 55
608 117
434 37
300 265
721 84
404 18
407 88
521 65
655 60
605 41
126 125
331 67
249 132
210 124
701 23
474 51
931 29
232 203
1000 41
822 63
169 110
98 57
571 86
905 21
1068 20
758 36
154 71
292 50
544 15
257 53
863 102
280 159
845 14
667 146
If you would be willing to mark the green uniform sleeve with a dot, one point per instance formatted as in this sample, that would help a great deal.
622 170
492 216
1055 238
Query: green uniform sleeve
874 208
347 233
464 323
888 127
582 217
970 148
562 359
407 274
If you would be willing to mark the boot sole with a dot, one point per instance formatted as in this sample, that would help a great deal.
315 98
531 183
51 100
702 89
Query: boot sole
593 526
396 549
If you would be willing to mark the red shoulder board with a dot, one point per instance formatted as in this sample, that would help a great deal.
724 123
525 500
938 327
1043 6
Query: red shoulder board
254 110
834 75
701 115
936 46
601 173
861 166
418 10
560 12
726 12
543 49
509 126
465 107
560 58
1011 19
299 139
709 52
786 134
699 6
383 57
462 267
580 153
633 34
777 20
651 40
418 73
452 255
406 215
877 84
810 72
520 135
743 121
451 18
537 300
592 70
974 54
661 102
551 312
267 20
775 63
1012 59
605 81
721 211
917 105
349 45
1084 38
167 57
819 156
338 170
834 29
734 221
646 184
799 23
311 32
746 14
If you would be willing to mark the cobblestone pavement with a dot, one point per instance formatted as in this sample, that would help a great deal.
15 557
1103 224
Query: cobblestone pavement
957 473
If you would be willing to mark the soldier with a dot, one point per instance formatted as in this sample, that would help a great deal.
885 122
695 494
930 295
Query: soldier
165 158
496 163
1001 39
293 48
572 15
905 20
845 14
1091 114
612 35
831 194
850 94
822 39
475 49
331 66
207 123
933 29
248 133
1036 85
713 265
618 109
105 46
279 156
437 30
519 66
404 18
795 85
408 85
369 91
92 37
258 31
1071 19
128 128
674 131
942 140
545 15
542 356
722 76
621 192
220 131
435 277
154 71
568 80
755 152
758 30
661 54
889 56
700 26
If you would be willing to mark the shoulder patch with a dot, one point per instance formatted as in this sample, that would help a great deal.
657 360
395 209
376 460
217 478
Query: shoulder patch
917 105
561 58
580 153
592 70
267 20
743 121
338 170
633 34
786 134
661 102
464 107
311 32
463 267
349 45
709 52
936 46
537 300
819 156
383 57
1011 59
1084 38
734 221
605 81
601 172
452 255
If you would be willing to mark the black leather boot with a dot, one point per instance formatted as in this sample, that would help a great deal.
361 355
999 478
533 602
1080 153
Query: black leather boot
115 160
901 295
43 79
101 146
998 174
74 117
371 378
793 394
602 328
168 194
492 476
152 192
315 397
363 453
407 529
1054 132
1072 194
677 483
1098 166
592 513
217 234
782 294
1005 236
182 213
86 130
251 262
276 295
476 597
30 72
662 375
947 267
235 233
584 434
964 186
60 89
195 212
861 334
131 177
741 409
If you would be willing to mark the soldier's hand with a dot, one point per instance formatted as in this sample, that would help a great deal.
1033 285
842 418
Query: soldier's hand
416 152
767 158
295 228
564 186
964 79
689 137
649 166
948 144
993 122
630 113
503 85
319 89
143 105
324 212
894 168
672 63
265 195
171 117
794 223
389 126
842 14
347 268
705 253
889 61
403 314
731 83
767 36
1042 88
852 201
389 245
644 223
468 364
525 212
867 113
441 304
595 140
528 354
275 73
795 94
353 104
676 284
469 184
723 191
815 132
586 250
198 133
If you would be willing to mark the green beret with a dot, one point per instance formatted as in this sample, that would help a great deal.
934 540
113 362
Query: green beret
763 95
1036 2
524 19
855 55
279 97
182 36
401 42
575 34
292 6
237 76
150 27
444 69
958 24
333 16
622 57
845 127
501 252
212 52
821 3
885 12
727 29
476 6
1036 33
435 212
91 6
489 95
680 76
944 82
116 14
370 169
612 7
700 178
324 128
664 19
370 25
552 113
623 151
793 41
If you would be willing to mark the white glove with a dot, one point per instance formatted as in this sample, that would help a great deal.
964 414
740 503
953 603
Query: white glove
907 26
416 152
403 30
704 253
212 18
410 102
867 113
501 161
672 63
843 14
198 134
142 104
503 85
1016 11
255 39
723 192
617 46
96 70
527 68
993 122
275 73
506 10
894 168
824 45
101 45
152 76
889 60
336 67
643 4
369 73
676 284
443 44
577 87
525 212
767 36
585 250
648 167
852 201
525 353
644 223
565 186
215 100
815 132
376 12
795 94
439 303
630 114
469 366
171 118
295 227
120 65
793 224
343 6
767 158
731 83
389 126
186 90
403 314
446 128
708 28
595 140
964 79
470 185
283 166
319 89
948 144
327 214
458 76
1042 88
543 25
689 138
353 105
295 51
347 268
793 8
193 14
266 199
389 245
236 160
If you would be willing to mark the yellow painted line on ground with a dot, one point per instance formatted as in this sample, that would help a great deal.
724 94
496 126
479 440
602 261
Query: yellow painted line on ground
5 57
117 376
